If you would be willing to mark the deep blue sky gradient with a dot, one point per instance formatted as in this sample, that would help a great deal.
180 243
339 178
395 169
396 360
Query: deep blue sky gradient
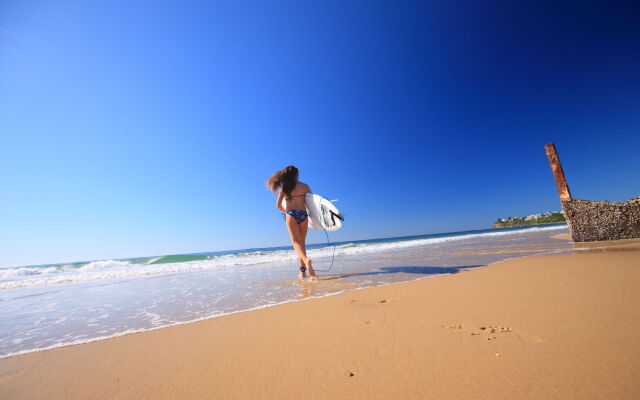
145 129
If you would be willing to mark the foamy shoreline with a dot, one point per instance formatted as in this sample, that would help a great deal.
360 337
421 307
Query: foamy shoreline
47 275
47 317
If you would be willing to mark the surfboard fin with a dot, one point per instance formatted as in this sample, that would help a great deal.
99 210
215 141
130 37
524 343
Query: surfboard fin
334 215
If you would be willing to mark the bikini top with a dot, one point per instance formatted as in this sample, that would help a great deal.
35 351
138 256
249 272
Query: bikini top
291 197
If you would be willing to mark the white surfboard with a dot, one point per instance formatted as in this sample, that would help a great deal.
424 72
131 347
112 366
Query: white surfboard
323 215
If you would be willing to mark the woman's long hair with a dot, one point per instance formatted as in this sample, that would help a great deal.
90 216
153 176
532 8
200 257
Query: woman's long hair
285 179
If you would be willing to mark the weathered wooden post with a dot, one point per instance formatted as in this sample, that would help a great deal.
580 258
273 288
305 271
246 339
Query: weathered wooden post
558 174
594 220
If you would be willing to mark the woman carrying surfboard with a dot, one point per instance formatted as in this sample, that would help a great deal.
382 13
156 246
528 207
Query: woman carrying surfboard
286 183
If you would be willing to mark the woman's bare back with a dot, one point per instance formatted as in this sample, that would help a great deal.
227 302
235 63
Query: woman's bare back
295 199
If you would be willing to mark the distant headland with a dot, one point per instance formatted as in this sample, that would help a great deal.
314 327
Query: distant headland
536 219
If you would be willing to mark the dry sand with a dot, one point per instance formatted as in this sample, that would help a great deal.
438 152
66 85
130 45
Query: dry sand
545 327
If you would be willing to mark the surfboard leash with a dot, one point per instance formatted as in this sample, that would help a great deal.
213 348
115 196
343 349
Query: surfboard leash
333 256
340 216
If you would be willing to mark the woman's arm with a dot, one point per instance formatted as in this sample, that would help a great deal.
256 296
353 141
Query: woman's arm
279 201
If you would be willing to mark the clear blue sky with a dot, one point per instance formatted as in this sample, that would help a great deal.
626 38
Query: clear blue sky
132 129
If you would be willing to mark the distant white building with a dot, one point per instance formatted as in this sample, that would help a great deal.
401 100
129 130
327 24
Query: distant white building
533 216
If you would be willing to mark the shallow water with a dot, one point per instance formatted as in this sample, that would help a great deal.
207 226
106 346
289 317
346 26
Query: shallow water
49 306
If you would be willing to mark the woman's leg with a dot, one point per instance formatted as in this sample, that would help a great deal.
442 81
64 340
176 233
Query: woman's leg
298 233
296 239
303 235
303 273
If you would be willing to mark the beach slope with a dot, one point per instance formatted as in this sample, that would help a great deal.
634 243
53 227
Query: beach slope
543 327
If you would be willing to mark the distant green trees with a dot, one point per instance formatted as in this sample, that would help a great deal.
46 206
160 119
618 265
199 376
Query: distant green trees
546 218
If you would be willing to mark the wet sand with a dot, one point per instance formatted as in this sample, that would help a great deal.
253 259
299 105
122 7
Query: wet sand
542 327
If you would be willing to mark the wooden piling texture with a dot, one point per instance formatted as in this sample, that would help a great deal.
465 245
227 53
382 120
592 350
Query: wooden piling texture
594 220
558 173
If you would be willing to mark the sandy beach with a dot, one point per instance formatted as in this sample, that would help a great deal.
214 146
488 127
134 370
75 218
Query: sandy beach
541 327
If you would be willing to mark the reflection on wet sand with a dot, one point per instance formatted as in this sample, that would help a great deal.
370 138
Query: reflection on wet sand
532 250
332 283
307 290
338 282
518 245
610 246
324 285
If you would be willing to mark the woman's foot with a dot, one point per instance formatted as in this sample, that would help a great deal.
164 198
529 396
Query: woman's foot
312 273
303 272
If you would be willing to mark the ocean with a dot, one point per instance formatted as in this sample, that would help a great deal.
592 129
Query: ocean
48 306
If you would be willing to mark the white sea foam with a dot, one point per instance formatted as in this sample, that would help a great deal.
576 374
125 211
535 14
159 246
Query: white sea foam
121 269
386 246
100 265
25 271
23 277
72 342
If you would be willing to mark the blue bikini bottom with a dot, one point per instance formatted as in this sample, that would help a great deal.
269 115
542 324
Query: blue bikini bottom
299 215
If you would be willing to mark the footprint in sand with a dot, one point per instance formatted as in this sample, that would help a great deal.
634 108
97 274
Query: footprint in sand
492 332
381 301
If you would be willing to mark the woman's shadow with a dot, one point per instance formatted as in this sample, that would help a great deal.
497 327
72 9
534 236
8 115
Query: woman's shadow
309 289
404 270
